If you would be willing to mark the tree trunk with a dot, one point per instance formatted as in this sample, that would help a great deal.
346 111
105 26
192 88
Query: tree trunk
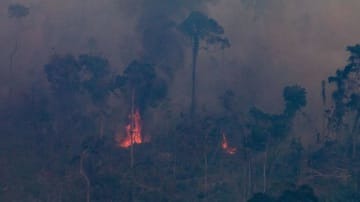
205 170
354 135
243 185
101 132
196 43
132 126
264 168
249 178
11 64
84 175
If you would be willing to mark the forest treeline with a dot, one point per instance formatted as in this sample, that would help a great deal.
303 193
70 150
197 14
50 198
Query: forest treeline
60 140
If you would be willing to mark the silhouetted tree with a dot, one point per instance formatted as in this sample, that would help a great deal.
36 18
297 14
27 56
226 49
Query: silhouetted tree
199 27
63 75
97 83
141 81
295 99
269 129
346 95
70 78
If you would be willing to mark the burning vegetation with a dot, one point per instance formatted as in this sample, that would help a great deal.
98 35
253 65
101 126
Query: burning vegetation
225 145
268 163
133 131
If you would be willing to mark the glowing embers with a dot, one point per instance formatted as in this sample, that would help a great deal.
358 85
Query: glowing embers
225 145
133 131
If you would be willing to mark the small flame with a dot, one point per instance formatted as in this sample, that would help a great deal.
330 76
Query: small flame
225 145
133 131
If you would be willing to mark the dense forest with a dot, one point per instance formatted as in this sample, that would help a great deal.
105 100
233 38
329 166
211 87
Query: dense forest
90 132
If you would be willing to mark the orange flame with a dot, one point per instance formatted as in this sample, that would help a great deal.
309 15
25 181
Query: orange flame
225 145
133 131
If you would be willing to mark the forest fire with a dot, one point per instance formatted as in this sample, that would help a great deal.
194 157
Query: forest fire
133 131
225 145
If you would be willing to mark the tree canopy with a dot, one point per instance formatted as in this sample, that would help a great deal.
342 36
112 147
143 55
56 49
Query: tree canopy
17 11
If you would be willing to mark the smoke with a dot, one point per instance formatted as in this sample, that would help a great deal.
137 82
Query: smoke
277 43
274 43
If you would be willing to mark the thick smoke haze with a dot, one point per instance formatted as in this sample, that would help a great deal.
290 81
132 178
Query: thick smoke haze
100 100
273 42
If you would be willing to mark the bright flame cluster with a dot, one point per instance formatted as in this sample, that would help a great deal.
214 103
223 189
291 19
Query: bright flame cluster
225 145
133 131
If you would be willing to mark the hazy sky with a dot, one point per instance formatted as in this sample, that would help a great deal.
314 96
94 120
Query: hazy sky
274 42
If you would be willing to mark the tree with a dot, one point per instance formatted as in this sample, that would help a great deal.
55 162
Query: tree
295 99
142 88
268 130
69 78
63 75
346 96
141 81
199 27
97 83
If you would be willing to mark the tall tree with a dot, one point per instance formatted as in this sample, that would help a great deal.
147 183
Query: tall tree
97 83
70 78
199 27
142 88
346 97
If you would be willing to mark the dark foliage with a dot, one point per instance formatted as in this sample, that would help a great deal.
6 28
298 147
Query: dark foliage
17 11
302 194
261 197
63 74
141 81
295 99
199 26
347 84
265 127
